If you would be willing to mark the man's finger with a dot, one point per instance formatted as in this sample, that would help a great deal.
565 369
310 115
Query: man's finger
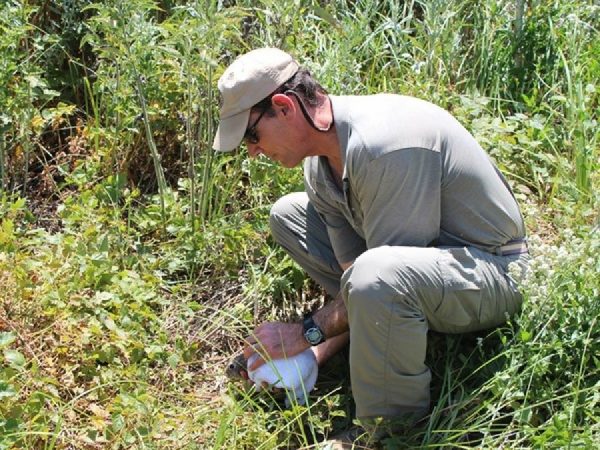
251 348
259 361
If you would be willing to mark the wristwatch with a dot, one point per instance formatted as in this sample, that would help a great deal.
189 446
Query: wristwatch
312 333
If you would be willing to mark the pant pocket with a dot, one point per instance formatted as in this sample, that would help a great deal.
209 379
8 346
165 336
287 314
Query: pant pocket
461 306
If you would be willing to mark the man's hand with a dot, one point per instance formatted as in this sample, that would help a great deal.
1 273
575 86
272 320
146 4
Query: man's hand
275 340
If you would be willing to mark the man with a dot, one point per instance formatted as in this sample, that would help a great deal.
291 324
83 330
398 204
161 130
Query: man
405 221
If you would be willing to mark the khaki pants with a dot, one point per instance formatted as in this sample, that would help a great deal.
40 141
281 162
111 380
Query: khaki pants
393 296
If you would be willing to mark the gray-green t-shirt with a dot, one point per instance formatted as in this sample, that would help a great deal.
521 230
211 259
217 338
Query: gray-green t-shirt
413 176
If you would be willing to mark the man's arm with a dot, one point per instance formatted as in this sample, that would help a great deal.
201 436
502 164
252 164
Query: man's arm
280 339
323 352
332 318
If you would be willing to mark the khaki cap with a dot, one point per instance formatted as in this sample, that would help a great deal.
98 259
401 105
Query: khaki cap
248 80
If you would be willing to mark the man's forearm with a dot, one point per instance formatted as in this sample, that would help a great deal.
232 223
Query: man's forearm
323 352
333 317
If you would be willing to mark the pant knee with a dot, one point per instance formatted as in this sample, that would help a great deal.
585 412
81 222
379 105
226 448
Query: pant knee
399 274
288 205
284 212
361 281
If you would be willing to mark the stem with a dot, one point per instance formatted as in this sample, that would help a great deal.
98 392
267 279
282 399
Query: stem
191 146
2 162
26 152
206 175
518 32
158 170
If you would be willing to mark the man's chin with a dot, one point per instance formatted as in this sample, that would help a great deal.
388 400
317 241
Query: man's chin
289 164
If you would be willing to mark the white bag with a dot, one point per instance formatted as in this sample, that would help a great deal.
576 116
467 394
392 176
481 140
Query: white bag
297 375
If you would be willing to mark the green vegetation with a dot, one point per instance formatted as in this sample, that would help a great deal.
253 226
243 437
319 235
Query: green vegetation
133 260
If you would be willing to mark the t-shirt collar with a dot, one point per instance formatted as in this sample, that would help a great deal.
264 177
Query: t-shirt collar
342 126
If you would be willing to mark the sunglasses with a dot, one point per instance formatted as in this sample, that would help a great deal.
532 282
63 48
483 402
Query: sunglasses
250 136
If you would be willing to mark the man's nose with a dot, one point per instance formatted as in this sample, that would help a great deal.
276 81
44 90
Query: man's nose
253 150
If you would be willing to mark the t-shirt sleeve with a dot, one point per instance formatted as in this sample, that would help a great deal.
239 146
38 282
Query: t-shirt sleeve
400 198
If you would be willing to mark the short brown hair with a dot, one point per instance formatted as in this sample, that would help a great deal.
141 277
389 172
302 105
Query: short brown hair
302 84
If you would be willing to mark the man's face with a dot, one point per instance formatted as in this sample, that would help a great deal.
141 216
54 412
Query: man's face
274 135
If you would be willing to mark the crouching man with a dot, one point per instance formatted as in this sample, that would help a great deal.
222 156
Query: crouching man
405 221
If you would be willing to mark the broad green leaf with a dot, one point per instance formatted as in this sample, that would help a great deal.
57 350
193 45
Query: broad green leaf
173 360
6 338
118 422
525 335
15 358
110 324
7 390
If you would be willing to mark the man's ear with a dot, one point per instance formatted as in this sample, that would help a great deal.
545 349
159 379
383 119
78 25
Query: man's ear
283 103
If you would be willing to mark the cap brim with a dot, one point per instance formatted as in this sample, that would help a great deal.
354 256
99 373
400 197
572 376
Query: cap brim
231 131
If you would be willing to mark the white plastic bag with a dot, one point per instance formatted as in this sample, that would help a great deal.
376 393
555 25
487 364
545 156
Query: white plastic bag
297 375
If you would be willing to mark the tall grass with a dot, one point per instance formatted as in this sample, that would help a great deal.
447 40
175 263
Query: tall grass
115 329
24 91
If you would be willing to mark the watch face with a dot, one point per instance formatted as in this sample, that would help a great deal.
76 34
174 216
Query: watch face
313 335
